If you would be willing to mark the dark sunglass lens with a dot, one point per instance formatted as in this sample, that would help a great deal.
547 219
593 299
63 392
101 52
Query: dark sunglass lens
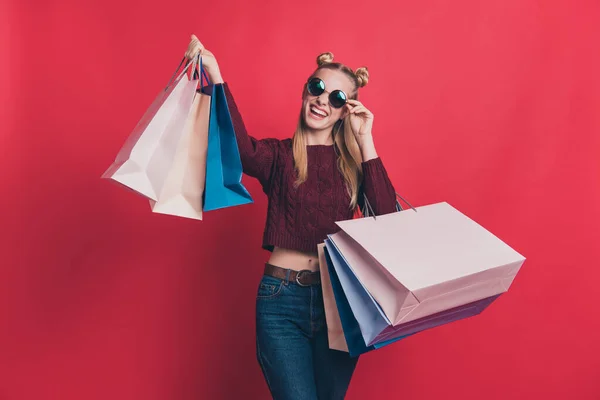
337 98
316 87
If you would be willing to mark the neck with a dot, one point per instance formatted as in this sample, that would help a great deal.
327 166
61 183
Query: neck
323 137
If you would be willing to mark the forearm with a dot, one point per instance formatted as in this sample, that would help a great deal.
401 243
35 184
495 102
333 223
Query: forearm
377 187
257 156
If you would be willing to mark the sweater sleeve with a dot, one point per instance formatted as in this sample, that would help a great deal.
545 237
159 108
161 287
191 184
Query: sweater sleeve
257 156
377 187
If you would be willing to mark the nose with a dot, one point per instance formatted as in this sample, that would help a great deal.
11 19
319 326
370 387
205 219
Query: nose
323 99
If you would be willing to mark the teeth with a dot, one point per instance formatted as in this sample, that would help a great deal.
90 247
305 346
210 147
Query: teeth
315 110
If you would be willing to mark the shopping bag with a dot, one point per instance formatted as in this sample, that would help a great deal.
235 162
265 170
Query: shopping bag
144 160
375 328
223 165
183 190
417 266
335 332
342 286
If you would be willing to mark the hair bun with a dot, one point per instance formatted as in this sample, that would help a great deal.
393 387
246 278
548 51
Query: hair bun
324 58
362 75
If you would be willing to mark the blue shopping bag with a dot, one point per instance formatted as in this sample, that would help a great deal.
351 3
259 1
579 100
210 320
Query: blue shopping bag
223 186
350 325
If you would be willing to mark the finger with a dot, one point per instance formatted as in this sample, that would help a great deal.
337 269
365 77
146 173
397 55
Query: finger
362 114
363 110
191 53
359 109
355 102
195 46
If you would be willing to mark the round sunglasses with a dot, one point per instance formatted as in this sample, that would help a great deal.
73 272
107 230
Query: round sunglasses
316 87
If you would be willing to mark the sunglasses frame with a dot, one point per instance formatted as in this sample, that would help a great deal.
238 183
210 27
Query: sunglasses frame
331 94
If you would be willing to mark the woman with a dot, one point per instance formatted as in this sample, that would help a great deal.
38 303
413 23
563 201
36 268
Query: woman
312 180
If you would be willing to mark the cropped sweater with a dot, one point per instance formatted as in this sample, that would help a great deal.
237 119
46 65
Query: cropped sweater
299 218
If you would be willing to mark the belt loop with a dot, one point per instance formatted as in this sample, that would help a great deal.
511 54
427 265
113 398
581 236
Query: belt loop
287 276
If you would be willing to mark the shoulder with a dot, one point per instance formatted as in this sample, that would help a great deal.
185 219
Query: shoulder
286 147
279 144
285 151
283 145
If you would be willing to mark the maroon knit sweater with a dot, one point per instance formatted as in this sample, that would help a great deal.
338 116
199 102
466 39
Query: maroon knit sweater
301 218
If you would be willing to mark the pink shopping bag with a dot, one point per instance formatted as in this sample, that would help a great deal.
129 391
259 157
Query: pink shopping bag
420 264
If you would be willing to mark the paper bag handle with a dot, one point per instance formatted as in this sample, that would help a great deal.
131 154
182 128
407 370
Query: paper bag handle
192 62
399 206
369 210
204 74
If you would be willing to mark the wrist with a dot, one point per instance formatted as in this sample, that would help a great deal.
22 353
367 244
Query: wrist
215 76
367 147
365 141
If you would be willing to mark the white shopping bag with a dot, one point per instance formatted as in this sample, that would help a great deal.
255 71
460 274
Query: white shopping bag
145 159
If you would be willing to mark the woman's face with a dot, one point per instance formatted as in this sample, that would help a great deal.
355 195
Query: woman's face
318 113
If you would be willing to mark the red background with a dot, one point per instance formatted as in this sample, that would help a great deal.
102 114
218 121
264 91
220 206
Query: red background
492 106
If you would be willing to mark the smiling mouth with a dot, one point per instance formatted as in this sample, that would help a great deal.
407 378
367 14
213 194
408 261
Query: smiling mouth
317 113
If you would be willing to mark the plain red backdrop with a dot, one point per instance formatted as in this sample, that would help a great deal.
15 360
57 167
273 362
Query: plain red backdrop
492 106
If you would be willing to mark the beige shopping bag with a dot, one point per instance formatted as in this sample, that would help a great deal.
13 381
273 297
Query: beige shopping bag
335 333
183 189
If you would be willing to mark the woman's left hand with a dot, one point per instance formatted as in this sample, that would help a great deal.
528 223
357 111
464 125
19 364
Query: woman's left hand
361 119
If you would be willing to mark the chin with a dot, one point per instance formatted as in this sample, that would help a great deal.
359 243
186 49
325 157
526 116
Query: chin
314 126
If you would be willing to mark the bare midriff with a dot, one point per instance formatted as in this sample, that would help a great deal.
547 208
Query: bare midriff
294 259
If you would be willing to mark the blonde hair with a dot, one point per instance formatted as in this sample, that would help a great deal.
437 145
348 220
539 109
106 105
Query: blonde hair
350 159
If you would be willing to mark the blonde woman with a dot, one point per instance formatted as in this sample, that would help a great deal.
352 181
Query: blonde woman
319 176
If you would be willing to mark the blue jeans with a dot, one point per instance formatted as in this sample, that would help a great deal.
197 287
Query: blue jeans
292 346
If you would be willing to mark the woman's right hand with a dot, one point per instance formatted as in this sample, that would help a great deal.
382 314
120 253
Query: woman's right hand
209 62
